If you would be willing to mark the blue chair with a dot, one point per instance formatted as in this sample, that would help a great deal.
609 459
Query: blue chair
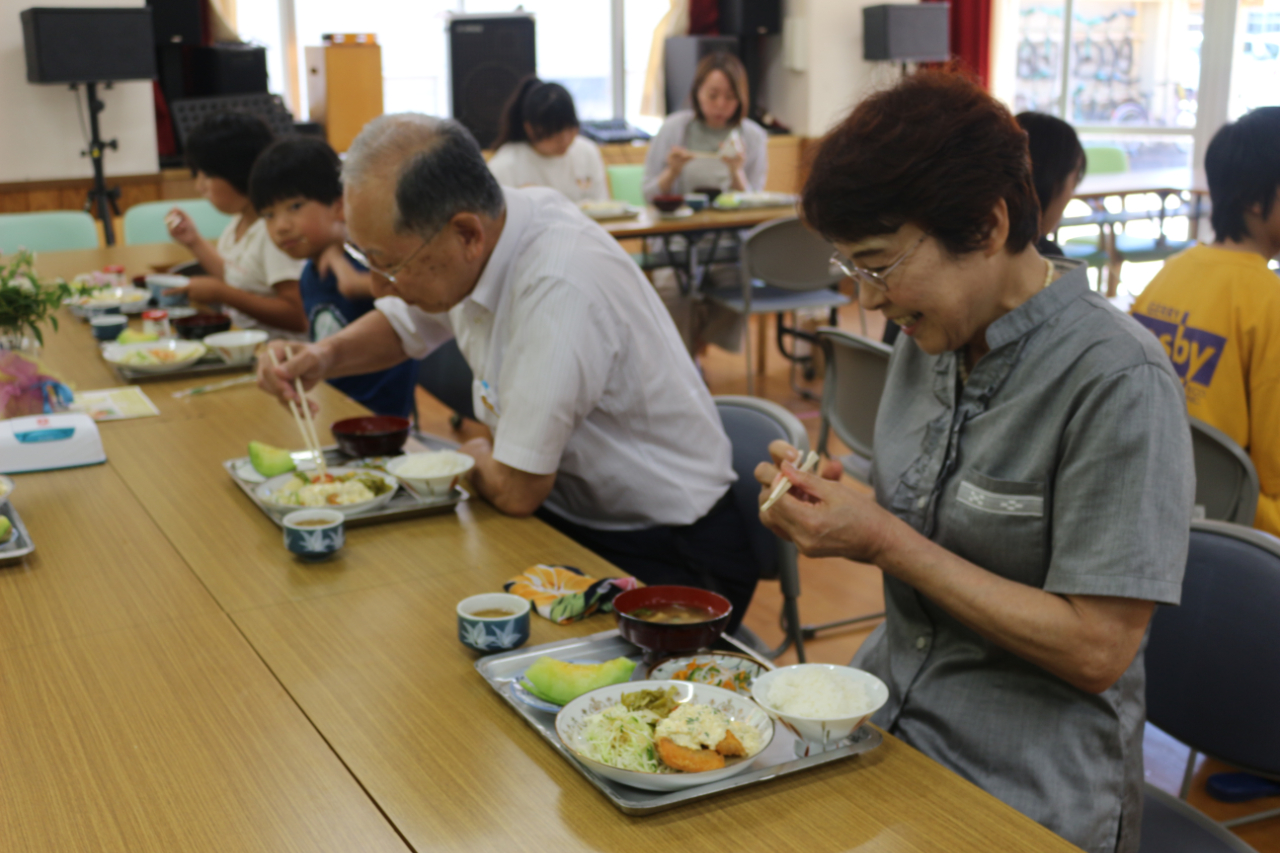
751 424
1211 662
48 231
144 223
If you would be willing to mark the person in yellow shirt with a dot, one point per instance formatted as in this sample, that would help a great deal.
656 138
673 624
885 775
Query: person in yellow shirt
1216 308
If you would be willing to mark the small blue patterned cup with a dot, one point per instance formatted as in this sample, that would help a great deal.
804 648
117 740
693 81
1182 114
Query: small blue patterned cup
314 534
493 622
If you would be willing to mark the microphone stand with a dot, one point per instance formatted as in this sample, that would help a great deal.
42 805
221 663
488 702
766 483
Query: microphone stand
100 198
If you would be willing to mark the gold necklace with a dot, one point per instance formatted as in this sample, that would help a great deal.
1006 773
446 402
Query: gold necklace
962 365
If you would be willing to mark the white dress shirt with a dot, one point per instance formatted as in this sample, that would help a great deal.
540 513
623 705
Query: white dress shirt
579 371
579 173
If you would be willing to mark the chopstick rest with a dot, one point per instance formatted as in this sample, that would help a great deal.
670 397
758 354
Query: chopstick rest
784 485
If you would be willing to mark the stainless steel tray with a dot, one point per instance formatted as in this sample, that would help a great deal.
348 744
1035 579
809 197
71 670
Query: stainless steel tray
783 757
402 505
19 544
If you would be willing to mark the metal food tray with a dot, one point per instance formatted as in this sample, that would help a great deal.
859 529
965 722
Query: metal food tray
782 757
19 544
402 505
207 365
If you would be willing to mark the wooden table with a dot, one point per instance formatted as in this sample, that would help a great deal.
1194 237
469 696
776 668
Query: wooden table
171 679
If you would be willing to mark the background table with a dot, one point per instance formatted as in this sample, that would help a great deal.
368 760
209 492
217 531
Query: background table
170 678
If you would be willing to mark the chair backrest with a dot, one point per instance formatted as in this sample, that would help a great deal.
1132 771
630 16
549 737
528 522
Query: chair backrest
851 390
1105 160
1212 663
144 223
786 253
47 231
1226 481
626 183
189 112
751 423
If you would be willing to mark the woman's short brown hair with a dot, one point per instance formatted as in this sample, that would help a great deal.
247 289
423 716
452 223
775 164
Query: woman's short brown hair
734 72
936 150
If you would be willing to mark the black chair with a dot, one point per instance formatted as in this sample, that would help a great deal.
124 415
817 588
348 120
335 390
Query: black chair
445 375
1212 663
1169 825
751 424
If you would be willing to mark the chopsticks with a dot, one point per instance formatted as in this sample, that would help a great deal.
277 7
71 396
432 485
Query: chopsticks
215 386
784 485
306 425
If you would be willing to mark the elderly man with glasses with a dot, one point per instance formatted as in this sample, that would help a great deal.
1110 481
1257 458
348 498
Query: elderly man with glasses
601 424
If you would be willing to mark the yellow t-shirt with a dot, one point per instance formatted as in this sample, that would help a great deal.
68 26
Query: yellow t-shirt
1217 312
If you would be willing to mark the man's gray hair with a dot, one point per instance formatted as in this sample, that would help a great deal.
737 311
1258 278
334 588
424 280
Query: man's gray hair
436 164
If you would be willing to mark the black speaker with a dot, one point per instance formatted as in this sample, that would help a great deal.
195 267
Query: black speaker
88 45
680 60
488 57
751 17
176 21
902 33
228 69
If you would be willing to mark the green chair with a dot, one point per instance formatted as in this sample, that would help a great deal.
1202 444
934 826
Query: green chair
1105 160
49 231
626 183
144 223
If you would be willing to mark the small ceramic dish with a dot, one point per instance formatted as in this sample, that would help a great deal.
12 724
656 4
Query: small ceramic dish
159 283
107 327
493 621
730 670
571 727
314 534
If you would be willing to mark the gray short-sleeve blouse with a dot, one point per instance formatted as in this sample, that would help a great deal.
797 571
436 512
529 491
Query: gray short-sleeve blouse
1064 463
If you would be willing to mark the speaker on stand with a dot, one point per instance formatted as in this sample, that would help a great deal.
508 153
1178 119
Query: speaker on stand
488 57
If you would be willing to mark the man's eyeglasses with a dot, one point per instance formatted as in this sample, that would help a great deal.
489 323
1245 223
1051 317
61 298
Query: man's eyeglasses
390 275
878 280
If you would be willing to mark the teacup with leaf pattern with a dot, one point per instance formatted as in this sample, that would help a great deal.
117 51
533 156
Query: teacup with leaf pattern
314 534
493 622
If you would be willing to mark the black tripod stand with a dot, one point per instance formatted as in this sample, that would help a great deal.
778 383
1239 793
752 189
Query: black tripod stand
101 199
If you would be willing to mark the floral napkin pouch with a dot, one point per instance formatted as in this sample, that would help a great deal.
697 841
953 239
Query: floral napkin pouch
564 594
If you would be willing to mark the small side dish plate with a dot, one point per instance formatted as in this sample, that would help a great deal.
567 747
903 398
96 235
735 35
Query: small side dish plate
604 210
728 670
571 724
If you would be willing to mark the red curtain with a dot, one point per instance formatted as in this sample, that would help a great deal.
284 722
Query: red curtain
971 36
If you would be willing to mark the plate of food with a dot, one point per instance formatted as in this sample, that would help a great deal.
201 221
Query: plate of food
351 491
664 735
730 670
129 300
600 209
738 201
161 356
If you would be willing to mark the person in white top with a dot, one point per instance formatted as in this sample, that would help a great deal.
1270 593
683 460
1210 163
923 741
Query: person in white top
539 145
254 280
600 421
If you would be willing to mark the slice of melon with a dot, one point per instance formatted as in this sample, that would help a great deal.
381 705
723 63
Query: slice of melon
559 682
270 461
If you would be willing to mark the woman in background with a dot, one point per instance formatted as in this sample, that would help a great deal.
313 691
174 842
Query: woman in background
1057 167
539 145
714 144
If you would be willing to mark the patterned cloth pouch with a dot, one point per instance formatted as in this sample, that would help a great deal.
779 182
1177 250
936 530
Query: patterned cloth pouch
564 594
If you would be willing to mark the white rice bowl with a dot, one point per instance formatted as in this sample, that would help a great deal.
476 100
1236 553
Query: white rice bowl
820 703
432 473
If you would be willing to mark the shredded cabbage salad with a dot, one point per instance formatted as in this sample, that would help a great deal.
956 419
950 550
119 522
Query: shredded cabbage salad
623 739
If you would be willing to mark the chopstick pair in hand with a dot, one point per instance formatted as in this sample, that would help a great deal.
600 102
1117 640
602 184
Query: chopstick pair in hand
784 485
306 425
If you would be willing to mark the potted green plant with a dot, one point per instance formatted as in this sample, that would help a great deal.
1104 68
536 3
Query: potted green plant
26 303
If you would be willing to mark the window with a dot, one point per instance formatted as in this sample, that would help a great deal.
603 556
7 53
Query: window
1255 66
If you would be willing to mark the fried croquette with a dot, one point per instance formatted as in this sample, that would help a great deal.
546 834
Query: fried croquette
731 746
688 760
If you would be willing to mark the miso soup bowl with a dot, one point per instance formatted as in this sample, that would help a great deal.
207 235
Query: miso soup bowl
660 639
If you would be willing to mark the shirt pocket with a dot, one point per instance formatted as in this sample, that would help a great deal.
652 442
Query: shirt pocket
1002 525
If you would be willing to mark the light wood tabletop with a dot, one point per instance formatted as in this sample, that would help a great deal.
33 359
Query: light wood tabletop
330 706
651 223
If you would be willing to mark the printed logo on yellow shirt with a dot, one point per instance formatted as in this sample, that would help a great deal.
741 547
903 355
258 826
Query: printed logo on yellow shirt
1194 352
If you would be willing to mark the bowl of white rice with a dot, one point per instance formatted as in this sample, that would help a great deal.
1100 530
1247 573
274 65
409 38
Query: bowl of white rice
820 703
433 473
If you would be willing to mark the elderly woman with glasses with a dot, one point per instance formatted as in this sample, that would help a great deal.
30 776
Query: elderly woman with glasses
1032 472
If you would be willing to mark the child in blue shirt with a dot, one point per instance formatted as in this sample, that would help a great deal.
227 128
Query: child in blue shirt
296 189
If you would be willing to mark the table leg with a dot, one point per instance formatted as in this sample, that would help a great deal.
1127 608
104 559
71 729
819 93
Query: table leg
762 336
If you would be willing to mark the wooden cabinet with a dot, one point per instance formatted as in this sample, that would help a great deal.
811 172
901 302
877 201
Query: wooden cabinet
344 89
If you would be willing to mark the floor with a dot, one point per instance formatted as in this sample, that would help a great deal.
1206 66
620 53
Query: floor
833 589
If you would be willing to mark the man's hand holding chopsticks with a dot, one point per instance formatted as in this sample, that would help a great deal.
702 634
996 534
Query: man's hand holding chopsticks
295 361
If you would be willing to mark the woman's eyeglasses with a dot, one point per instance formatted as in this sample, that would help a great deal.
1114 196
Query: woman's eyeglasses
875 279
390 275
